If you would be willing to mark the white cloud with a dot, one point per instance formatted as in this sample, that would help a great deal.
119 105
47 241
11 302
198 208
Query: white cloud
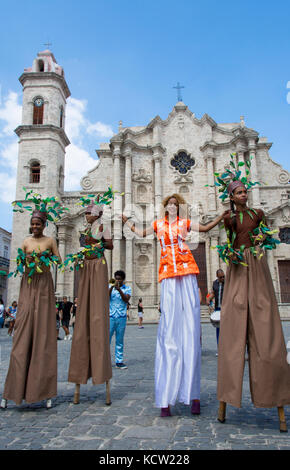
77 162
8 185
77 125
100 129
80 131
10 113
10 118
75 119
9 155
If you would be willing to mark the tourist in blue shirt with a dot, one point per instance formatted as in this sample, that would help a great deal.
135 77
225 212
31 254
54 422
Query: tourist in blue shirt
119 297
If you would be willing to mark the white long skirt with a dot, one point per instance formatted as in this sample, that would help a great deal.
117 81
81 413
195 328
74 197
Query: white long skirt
178 349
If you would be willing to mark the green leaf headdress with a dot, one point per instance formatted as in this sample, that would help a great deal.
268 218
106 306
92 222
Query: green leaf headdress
225 180
48 208
98 199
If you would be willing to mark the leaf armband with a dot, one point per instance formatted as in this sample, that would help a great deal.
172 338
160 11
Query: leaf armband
262 236
76 260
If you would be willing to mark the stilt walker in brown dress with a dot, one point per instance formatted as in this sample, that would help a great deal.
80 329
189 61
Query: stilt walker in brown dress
32 374
90 351
249 315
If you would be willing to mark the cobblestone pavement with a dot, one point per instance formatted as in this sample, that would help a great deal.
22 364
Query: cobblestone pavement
132 421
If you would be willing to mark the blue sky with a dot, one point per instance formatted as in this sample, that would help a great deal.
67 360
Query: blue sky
121 60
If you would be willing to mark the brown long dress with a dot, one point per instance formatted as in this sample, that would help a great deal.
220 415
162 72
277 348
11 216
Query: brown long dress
32 373
90 351
250 315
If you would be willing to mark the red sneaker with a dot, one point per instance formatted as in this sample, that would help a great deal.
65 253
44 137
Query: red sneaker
195 407
165 412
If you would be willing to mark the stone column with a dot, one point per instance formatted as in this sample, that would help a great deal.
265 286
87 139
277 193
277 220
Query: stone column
129 263
210 180
214 257
240 158
129 237
157 181
117 210
208 262
128 183
61 277
254 175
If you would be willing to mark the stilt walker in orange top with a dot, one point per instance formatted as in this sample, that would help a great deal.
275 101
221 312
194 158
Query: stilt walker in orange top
178 349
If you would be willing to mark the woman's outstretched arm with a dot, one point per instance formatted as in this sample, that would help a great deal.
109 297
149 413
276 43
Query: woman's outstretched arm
140 232
210 225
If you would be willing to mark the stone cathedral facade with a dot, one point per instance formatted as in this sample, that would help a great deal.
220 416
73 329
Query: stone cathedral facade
177 155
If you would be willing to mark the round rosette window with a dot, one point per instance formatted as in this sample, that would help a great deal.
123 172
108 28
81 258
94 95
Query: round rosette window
182 162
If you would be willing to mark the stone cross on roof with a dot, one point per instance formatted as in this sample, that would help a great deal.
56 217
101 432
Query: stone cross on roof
48 44
178 87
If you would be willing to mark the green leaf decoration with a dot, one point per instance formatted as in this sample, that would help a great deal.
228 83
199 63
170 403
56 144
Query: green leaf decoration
50 205
32 263
227 251
223 179
233 237
98 199
77 259
250 214
241 216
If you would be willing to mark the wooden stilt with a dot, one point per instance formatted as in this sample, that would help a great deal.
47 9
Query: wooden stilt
222 412
108 394
283 424
77 394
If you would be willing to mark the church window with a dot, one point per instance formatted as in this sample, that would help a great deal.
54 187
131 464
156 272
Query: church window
5 251
182 162
34 172
38 106
284 235
41 65
60 177
61 117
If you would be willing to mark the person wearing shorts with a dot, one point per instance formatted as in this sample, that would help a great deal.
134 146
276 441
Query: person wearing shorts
140 313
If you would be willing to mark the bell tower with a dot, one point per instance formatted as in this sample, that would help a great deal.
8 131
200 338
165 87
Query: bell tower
42 138
42 142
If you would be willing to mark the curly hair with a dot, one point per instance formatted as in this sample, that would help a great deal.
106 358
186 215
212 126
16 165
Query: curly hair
181 202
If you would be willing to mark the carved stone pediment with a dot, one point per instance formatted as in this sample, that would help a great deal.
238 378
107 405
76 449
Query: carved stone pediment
141 176
143 246
183 179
